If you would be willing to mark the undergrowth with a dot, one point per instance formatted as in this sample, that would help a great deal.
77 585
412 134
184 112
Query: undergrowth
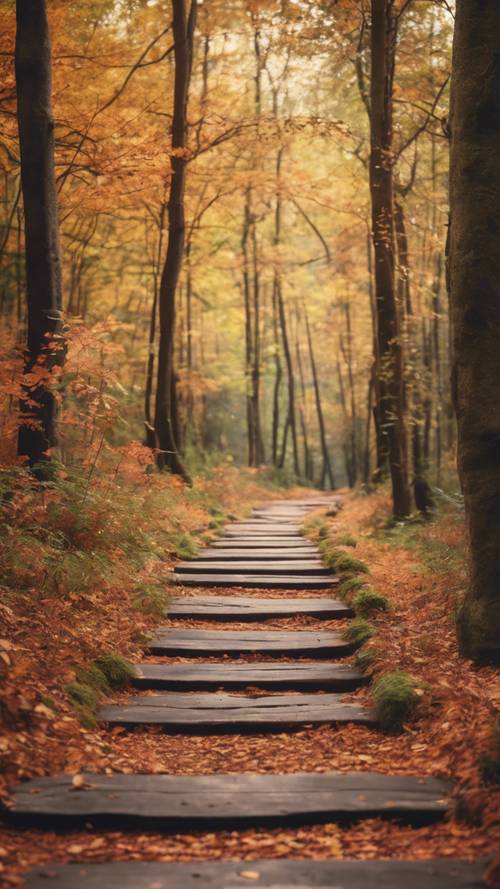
397 696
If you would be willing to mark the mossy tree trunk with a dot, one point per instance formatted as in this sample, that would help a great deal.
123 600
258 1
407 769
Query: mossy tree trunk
474 282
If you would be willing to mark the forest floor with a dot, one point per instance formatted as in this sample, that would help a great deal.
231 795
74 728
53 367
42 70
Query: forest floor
419 567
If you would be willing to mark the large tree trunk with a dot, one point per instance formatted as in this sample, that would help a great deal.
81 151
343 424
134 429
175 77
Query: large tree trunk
45 347
390 353
474 281
165 408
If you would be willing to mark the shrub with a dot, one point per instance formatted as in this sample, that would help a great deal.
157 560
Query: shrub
358 631
367 600
117 669
396 697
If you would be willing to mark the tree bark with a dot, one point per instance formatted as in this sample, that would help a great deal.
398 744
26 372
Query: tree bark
390 353
474 283
165 408
45 346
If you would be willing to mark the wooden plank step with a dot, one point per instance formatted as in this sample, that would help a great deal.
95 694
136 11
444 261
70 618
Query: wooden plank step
275 568
261 530
440 873
229 713
269 543
261 581
199 643
267 675
172 802
238 608
295 554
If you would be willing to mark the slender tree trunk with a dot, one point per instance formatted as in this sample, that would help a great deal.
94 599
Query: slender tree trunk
390 352
474 282
327 470
165 409
45 347
278 374
380 470
421 489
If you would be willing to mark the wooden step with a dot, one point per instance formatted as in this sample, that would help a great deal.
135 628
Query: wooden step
236 608
226 554
261 581
274 543
200 643
274 568
266 675
233 713
182 803
262 531
440 873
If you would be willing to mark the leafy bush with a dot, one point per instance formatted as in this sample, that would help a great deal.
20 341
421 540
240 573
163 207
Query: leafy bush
117 669
358 631
396 697
367 600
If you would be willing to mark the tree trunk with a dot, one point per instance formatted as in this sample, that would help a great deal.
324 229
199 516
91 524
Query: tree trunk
45 347
165 409
390 353
474 283
327 476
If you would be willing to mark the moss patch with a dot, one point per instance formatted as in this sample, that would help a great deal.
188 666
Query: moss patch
396 697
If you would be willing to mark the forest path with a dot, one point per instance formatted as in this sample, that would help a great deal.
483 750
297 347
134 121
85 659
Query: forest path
195 698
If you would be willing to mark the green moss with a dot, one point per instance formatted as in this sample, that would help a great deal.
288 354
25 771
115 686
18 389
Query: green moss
396 697
349 564
49 702
367 600
117 669
358 631
365 658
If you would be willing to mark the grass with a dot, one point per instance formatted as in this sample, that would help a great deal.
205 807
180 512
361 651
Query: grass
152 599
348 564
365 658
350 585
397 696
107 672
368 600
346 540
358 631
117 669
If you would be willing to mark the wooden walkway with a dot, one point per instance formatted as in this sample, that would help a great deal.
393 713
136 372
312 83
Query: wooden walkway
235 681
